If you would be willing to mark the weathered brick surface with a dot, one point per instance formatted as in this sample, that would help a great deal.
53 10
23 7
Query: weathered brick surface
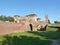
22 24
12 27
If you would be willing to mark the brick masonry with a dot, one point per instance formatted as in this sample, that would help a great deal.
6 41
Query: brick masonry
22 24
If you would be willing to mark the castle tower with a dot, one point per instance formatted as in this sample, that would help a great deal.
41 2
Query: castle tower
46 19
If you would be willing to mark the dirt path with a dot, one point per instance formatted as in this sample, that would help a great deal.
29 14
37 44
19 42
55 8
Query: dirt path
55 42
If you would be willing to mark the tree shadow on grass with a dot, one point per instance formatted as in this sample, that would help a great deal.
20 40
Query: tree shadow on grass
48 34
24 40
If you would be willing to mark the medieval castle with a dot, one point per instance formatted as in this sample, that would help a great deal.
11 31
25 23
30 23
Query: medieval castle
27 23
31 21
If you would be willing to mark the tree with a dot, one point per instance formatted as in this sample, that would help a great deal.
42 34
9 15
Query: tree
10 19
49 21
57 22
6 18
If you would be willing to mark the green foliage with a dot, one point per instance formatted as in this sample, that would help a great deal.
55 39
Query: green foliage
31 38
24 38
6 18
10 19
57 22
49 21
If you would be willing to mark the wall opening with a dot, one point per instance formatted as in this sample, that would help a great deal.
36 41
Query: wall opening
31 27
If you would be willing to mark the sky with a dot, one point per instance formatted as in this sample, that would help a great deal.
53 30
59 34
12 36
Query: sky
25 7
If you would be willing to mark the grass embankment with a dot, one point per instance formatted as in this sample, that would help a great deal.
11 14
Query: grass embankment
31 38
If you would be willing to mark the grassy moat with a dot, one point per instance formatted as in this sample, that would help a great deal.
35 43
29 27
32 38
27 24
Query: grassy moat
31 38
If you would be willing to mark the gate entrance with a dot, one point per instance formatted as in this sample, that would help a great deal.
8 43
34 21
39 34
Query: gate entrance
31 27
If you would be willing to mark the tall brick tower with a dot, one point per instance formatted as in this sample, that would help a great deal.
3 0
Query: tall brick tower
46 19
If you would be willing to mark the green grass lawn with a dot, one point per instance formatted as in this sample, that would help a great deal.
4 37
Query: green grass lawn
31 38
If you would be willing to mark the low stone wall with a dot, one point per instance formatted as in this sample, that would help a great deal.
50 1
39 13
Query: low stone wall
13 27
8 27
